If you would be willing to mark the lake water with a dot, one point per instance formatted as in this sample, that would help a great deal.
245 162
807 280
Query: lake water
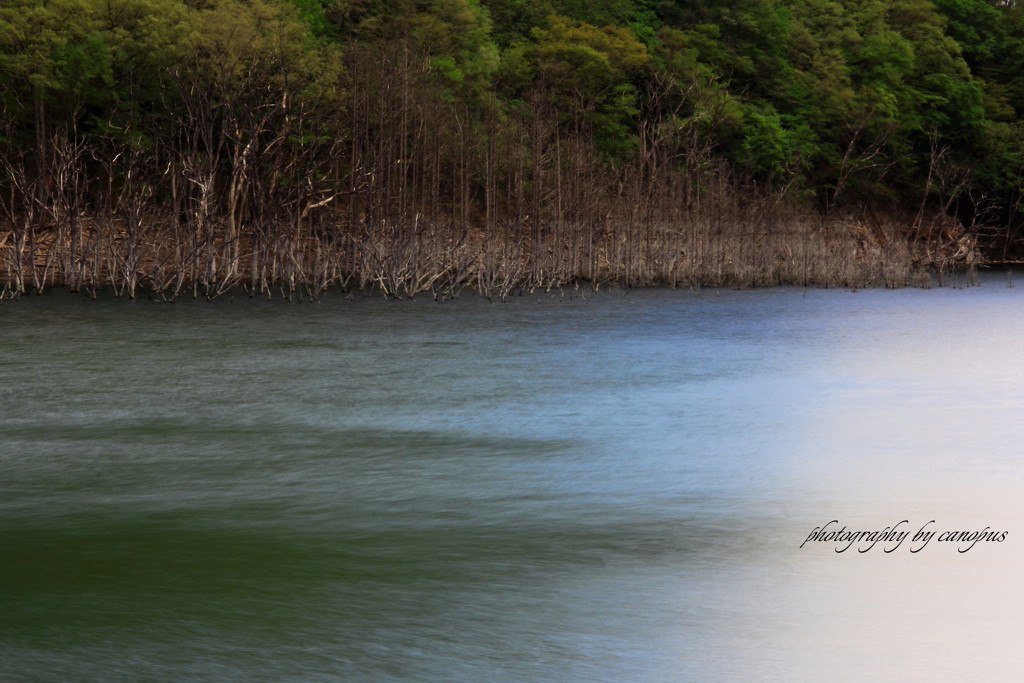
612 487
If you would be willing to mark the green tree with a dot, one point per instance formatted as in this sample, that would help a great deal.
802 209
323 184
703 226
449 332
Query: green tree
588 74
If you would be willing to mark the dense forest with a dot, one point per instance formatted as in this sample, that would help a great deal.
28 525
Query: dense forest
195 146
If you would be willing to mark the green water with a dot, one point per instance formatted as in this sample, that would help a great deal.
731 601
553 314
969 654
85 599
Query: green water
604 488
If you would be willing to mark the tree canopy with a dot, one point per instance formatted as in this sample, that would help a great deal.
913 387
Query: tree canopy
459 106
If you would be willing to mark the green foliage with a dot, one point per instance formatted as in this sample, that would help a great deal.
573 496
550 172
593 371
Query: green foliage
314 13
587 73
514 19
830 94
769 147
453 35
979 29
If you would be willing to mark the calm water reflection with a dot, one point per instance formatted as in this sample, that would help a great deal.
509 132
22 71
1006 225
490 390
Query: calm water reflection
610 488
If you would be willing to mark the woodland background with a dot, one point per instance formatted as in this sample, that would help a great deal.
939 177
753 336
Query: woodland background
197 146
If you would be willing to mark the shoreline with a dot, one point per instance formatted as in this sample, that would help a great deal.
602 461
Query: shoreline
567 292
441 259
